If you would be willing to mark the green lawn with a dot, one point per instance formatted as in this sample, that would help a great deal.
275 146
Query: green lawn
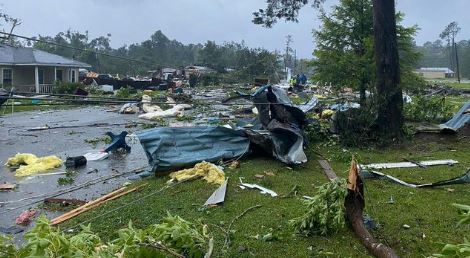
459 85
428 211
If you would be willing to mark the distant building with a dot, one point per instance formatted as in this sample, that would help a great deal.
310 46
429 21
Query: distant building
194 69
32 70
435 73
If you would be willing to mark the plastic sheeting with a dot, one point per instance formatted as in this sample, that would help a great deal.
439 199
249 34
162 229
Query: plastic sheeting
171 148
460 120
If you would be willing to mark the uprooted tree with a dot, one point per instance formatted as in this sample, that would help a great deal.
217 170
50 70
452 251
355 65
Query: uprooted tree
389 101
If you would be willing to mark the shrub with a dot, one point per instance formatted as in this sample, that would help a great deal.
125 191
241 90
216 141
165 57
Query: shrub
66 87
428 109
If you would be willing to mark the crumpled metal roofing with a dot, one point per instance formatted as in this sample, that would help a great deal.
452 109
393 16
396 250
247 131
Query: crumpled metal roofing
29 56
459 120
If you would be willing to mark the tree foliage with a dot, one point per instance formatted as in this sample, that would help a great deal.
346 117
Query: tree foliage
159 52
345 47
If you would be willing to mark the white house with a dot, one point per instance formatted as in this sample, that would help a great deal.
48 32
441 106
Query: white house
32 70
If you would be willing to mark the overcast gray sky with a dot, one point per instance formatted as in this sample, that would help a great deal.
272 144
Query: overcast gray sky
196 21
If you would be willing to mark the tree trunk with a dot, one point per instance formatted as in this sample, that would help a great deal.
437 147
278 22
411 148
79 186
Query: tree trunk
389 92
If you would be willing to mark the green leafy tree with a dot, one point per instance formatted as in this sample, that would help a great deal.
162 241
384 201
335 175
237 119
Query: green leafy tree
345 47
389 120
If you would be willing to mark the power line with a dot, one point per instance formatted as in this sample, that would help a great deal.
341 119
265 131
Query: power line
78 49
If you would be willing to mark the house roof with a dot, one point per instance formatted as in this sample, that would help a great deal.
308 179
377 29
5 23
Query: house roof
29 56
435 69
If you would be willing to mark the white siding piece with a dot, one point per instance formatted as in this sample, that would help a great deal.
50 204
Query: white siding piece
409 164
218 196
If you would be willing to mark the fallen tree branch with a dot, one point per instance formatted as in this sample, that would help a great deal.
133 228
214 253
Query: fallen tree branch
354 204
161 247
211 248
227 238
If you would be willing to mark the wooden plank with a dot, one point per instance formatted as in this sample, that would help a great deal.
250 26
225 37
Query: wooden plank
330 174
111 196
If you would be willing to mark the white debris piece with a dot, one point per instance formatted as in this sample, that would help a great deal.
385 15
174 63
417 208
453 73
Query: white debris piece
255 186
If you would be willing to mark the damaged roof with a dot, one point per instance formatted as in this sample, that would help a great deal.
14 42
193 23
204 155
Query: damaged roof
29 56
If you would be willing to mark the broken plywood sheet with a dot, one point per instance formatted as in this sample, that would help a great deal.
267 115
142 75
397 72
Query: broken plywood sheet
409 164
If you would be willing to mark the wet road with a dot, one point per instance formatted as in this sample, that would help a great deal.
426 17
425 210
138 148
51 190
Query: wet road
63 142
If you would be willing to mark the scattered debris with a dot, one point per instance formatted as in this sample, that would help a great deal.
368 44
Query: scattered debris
218 196
460 123
255 186
172 148
234 164
129 108
177 110
64 201
330 174
449 162
269 173
25 217
406 226
354 204
258 176
7 187
370 174
208 171
75 162
29 164
96 156
118 141
90 205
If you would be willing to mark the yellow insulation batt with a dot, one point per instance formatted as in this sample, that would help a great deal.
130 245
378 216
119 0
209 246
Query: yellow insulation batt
30 164
208 171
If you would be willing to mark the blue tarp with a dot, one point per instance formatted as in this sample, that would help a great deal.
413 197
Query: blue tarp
171 148
279 132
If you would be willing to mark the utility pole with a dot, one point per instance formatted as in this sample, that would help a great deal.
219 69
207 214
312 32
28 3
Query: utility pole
457 62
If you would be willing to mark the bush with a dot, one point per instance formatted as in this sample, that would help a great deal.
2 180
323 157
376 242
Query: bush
428 109
125 92
66 87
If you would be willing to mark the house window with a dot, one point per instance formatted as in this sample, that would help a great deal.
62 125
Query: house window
58 75
41 76
74 76
7 77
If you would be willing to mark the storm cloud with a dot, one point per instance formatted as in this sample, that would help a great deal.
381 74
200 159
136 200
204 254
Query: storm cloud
190 21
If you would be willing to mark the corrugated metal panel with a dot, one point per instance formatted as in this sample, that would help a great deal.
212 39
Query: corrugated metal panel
459 120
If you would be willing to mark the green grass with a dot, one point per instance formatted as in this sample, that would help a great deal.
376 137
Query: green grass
459 85
5 109
428 211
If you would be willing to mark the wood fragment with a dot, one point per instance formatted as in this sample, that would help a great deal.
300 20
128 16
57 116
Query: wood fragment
7 187
354 204
330 174
108 197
